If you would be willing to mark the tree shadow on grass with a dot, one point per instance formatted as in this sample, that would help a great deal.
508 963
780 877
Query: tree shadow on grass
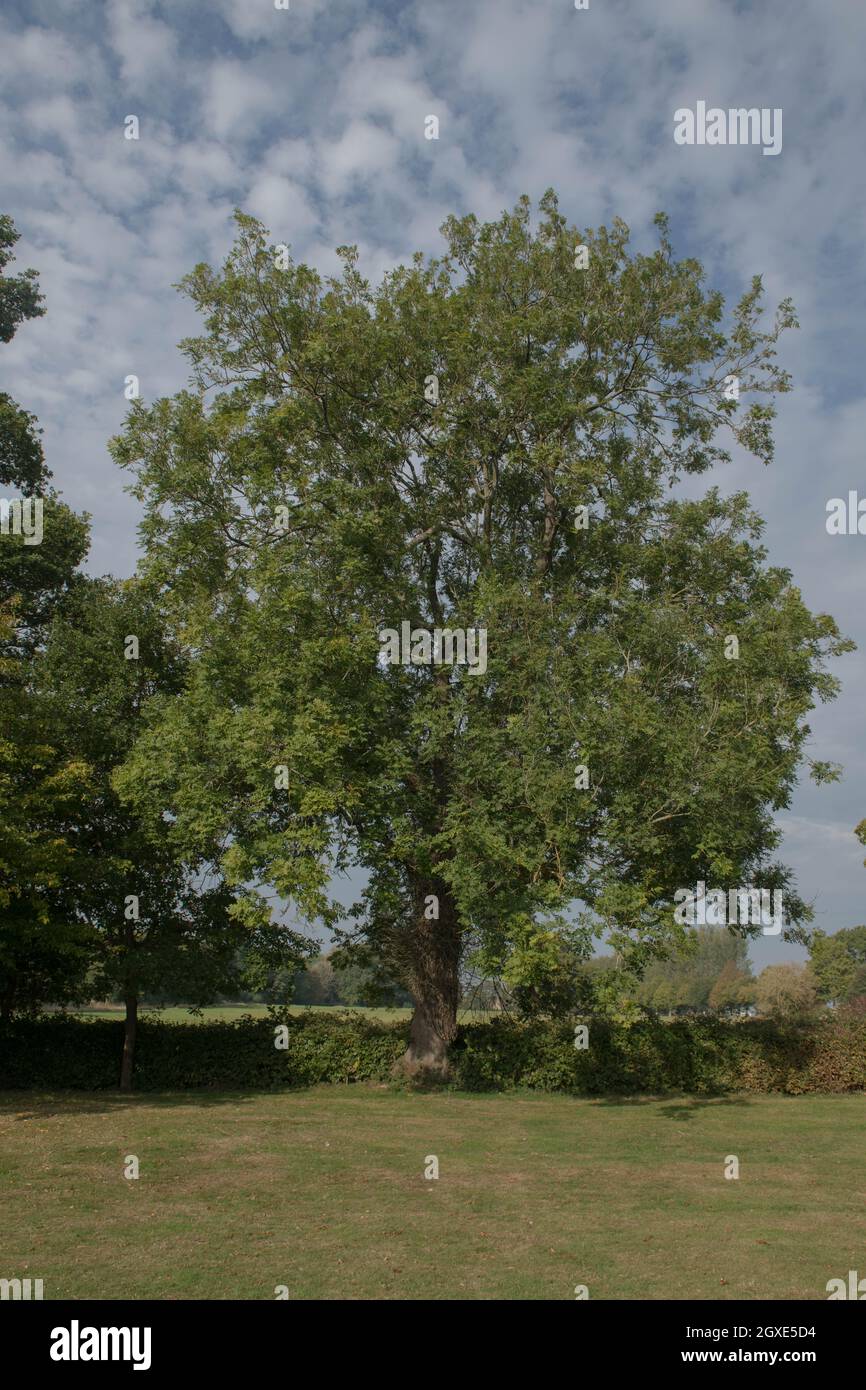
679 1108
690 1106
21 1106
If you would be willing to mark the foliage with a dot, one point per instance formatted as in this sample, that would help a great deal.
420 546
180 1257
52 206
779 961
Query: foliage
786 991
308 493
22 463
336 978
543 974
733 988
44 950
838 963
316 984
161 922
688 974
703 1056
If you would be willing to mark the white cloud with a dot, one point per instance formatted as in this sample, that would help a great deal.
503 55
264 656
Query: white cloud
284 208
363 152
145 46
234 106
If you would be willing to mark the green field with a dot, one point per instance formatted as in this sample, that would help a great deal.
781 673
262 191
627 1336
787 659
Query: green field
324 1191
179 1014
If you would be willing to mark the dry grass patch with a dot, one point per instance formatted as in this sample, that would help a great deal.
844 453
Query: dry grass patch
323 1190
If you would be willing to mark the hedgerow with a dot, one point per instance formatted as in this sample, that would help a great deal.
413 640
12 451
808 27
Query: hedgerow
698 1056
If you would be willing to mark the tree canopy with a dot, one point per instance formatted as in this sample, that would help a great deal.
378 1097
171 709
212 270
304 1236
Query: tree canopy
488 440
22 463
43 951
838 963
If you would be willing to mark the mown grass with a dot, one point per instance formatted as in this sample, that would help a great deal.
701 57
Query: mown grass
324 1191
227 1012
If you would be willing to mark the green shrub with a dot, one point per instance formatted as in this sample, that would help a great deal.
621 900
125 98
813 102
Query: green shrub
699 1056
67 1053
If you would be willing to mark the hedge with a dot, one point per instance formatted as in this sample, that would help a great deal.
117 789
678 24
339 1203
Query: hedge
702 1056
68 1053
699 1056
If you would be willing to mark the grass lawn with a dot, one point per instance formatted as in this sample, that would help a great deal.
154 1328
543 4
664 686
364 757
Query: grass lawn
222 1012
324 1191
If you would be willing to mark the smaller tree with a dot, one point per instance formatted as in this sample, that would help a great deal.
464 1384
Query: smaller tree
160 920
786 992
362 981
544 976
693 968
664 996
839 963
732 989
44 950
316 983
21 460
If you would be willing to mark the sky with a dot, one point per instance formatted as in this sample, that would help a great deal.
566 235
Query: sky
312 118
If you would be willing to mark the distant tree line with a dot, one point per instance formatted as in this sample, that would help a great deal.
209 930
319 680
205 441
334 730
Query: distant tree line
710 972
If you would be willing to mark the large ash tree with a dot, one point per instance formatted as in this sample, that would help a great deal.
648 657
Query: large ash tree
486 440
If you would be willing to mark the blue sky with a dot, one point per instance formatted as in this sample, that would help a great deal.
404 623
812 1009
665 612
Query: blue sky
313 119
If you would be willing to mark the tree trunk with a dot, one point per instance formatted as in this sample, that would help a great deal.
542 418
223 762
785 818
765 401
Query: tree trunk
130 1025
434 979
